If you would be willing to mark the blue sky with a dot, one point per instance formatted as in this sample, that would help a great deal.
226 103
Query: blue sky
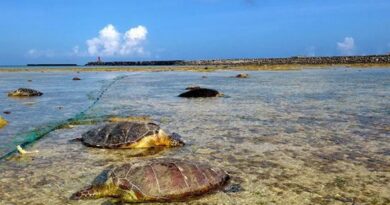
77 31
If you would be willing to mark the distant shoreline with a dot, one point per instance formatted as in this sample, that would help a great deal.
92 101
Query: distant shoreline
297 60
291 63
51 64
194 68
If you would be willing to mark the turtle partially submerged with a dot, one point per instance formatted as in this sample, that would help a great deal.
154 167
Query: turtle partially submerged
156 180
242 75
130 135
24 92
200 93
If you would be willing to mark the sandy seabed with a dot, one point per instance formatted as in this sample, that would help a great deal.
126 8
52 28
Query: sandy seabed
316 136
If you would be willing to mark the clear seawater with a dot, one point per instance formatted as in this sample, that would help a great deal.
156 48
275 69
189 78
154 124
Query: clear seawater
315 136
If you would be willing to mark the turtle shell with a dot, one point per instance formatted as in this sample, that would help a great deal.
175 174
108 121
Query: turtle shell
167 179
118 134
200 93
25 92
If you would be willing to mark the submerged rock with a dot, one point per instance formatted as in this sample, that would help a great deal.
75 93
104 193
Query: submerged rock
200 93
156 180
76 78
3 122
24 92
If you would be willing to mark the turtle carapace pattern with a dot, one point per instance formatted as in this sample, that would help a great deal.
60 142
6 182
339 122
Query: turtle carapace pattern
24 92
130 135
156 180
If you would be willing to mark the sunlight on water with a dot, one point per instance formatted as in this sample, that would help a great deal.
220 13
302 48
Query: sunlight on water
298 137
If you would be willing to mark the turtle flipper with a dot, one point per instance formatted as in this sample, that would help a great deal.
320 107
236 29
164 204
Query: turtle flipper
78 139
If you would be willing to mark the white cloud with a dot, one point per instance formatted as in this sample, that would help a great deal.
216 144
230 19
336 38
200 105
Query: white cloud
34 53
110 42
347 47
76 50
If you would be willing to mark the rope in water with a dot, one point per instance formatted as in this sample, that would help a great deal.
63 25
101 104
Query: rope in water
37 134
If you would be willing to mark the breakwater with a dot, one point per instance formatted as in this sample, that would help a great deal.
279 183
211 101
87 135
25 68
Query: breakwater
327 60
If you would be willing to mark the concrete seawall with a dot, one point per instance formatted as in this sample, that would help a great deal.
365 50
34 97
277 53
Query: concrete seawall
332 60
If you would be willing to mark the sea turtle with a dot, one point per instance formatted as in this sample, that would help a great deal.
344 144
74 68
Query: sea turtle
24 92
155 180
242 75
200 93
130 135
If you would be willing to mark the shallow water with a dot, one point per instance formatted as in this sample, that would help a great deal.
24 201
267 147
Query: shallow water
291 137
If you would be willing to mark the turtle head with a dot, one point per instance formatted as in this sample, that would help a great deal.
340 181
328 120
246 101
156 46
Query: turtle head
176 140
172 140
102 186
14 93
90 192
220 95
95 192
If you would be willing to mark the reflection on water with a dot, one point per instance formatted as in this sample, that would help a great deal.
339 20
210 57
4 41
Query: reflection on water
302 137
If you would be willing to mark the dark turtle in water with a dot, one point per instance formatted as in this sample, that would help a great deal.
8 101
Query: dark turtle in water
242 75
200 93
24 92
130 135
157 180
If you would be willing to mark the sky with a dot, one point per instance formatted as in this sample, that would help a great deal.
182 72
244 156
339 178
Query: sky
77 31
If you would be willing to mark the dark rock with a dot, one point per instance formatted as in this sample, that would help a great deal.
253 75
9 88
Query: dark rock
200 93
76 78
7 112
